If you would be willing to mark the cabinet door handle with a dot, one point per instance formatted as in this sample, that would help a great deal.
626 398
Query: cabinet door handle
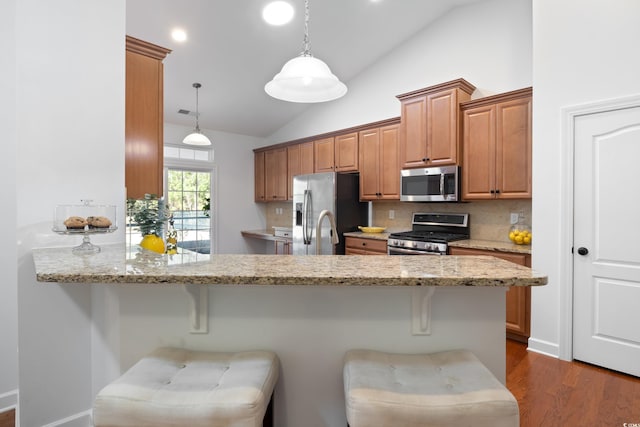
425 159
492 191
497 191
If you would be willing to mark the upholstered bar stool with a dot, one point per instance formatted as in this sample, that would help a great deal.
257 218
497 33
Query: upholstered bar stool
177 387
451 388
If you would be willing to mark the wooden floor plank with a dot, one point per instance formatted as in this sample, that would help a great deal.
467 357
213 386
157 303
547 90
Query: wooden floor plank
8 418
552 392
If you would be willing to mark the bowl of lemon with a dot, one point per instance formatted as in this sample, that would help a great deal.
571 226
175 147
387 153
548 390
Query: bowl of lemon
520 234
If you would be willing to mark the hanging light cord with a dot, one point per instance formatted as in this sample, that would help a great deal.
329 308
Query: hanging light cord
306 46
197 86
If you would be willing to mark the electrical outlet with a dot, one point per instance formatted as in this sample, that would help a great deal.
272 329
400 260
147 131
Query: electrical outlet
514 218
392 214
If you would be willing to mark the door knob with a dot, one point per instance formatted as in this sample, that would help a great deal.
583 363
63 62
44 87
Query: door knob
583 251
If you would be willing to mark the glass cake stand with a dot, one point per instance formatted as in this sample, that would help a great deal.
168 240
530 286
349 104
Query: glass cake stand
86 247
85 210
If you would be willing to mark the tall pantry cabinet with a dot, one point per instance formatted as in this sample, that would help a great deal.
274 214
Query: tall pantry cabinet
144 118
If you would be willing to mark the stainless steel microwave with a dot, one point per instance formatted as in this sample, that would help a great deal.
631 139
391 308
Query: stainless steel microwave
435 184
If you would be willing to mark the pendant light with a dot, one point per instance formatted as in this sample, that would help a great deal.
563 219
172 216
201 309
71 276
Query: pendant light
197 137
305 78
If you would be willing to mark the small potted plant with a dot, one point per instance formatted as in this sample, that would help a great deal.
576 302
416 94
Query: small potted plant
150 216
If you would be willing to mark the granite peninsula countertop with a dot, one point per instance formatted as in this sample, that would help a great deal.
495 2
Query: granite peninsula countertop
117 264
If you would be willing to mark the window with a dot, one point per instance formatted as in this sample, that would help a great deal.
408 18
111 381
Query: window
188 182
189 201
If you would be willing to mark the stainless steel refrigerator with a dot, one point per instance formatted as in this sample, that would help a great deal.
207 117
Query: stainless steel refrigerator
337 193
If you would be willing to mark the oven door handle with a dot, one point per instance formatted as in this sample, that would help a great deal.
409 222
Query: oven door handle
401 251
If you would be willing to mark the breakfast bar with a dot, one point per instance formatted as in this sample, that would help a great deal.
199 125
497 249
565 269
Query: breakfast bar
309 310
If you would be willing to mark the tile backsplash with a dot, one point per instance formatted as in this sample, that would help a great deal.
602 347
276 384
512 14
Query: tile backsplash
489 220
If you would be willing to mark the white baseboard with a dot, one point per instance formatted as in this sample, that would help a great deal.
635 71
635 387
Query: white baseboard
82 419
8 400
544 347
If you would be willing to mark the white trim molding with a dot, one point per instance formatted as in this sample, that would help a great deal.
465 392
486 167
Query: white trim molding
81 419
8 400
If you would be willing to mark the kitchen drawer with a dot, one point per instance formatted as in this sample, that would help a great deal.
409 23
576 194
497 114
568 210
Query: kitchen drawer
369 246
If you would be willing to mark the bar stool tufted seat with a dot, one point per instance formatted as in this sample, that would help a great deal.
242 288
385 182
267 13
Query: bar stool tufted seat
451 388
178 387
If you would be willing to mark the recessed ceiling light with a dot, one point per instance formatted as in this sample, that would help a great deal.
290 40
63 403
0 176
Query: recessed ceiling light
277 13
179 35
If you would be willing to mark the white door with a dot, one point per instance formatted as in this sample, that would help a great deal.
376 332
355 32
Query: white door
606 260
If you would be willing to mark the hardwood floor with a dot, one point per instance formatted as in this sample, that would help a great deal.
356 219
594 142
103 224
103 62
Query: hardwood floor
8 419
552 392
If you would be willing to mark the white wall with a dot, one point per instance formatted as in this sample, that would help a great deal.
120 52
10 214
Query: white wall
69 109
583 52
8 260
488 44
234 204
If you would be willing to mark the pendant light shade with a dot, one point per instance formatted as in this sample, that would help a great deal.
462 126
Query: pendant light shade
196 137
305 78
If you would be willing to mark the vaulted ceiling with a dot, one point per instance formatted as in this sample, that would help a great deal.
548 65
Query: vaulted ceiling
233 53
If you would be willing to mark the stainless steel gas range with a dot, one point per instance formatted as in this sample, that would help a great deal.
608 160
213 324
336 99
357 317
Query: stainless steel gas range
430 234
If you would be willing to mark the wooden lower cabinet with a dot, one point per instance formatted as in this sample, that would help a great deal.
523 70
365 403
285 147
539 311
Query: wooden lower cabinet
518 314
364 246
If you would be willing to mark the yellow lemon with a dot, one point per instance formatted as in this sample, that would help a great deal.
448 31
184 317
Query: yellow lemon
519 239
151 242
512 236
527 240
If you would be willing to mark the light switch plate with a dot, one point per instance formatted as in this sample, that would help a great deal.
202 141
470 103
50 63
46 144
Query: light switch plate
392 214
514 217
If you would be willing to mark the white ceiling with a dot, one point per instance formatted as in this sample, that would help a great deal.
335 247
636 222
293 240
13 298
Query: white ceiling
233 53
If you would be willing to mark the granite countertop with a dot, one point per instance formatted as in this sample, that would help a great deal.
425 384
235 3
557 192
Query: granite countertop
491 245
264 235
488 245
374 236
117 264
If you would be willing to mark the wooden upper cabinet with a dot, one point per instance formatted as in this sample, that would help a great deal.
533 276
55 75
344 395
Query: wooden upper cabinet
275 165
369 163
414 131
430 124
323 153
259 178
497 147
299 162
389 179
442 127
346 152
379 163
144 118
